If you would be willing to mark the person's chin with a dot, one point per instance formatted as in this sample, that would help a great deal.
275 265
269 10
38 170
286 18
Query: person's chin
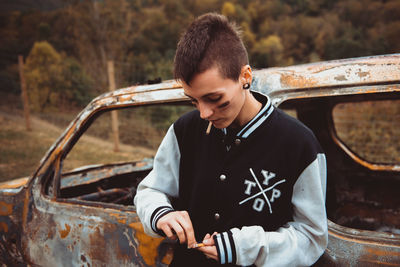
220 123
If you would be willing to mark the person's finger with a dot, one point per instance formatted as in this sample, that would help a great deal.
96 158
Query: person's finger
207 236
180 232
210 252
177 224
187 226
168 232
210 240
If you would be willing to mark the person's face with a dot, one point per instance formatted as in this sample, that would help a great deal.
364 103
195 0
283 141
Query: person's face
218 99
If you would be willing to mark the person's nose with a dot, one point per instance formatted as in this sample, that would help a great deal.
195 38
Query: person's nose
205 110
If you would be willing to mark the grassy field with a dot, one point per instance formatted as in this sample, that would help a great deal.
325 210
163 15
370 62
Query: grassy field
140 131
371 129
21 150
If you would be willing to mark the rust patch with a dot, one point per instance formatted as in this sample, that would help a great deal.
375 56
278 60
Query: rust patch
382 253
97 247
64 233
26 208
147 246
5 208
141 164
14 183
168 257
297 81
121 218
362 74
340 78
3 227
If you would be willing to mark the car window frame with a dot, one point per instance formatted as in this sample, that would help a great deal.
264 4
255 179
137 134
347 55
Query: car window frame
373 166
52 184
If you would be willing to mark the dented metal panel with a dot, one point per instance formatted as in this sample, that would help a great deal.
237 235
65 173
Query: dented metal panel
351 247
92 174
90 236
345 72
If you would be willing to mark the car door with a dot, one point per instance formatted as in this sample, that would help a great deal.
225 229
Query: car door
84 215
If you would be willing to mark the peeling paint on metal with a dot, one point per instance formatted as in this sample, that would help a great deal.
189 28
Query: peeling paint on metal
121 218
5 208
14 183
147 245
89 174
64 232
3 227
365 70
293 80
362 73
340 78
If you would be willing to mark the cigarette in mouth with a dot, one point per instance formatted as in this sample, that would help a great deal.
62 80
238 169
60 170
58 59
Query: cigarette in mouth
209 128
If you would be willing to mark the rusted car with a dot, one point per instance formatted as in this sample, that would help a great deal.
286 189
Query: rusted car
84 216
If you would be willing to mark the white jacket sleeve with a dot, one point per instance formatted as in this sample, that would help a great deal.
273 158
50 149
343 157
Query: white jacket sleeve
152 196
299 243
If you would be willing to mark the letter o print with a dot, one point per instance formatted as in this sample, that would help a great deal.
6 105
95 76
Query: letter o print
258 204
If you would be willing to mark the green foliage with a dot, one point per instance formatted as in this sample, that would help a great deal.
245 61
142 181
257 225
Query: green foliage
76 83
43 71
54 80
267 52
141 36
228 9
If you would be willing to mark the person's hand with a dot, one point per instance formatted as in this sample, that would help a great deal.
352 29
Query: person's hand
177 225
209 250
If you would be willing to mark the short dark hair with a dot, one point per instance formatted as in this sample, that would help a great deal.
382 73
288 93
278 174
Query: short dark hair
210 40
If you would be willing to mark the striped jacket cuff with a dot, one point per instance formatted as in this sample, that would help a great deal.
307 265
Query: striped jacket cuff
225 247
157 214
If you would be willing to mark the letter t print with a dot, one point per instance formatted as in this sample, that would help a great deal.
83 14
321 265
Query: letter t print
249 184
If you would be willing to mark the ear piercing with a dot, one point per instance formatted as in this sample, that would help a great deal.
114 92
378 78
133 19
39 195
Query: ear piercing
246 86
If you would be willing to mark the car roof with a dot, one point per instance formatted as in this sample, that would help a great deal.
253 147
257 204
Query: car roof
306 78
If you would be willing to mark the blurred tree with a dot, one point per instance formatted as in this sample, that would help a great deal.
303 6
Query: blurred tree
228 10
267 52
55 81
326 33
43 71
76 85
392 35
249 38
203 6
391 11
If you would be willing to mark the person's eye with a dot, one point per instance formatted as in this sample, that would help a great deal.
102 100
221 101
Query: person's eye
225 104
215 98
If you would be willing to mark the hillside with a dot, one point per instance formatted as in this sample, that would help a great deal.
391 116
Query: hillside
21 151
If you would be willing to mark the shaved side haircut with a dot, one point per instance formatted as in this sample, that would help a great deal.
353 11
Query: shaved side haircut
210 41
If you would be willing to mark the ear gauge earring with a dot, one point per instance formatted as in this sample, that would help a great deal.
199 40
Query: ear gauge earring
246 86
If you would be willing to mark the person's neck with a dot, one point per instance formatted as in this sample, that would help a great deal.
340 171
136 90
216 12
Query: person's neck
250 109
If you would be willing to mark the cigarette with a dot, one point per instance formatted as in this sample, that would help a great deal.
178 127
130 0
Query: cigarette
209 128
198 245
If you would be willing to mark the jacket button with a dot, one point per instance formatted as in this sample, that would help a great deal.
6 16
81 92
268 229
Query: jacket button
237 141
217 216
222 177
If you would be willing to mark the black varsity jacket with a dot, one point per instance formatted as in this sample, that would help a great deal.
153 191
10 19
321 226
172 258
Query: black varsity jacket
262 188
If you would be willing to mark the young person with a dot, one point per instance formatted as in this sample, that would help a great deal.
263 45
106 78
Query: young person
252 187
